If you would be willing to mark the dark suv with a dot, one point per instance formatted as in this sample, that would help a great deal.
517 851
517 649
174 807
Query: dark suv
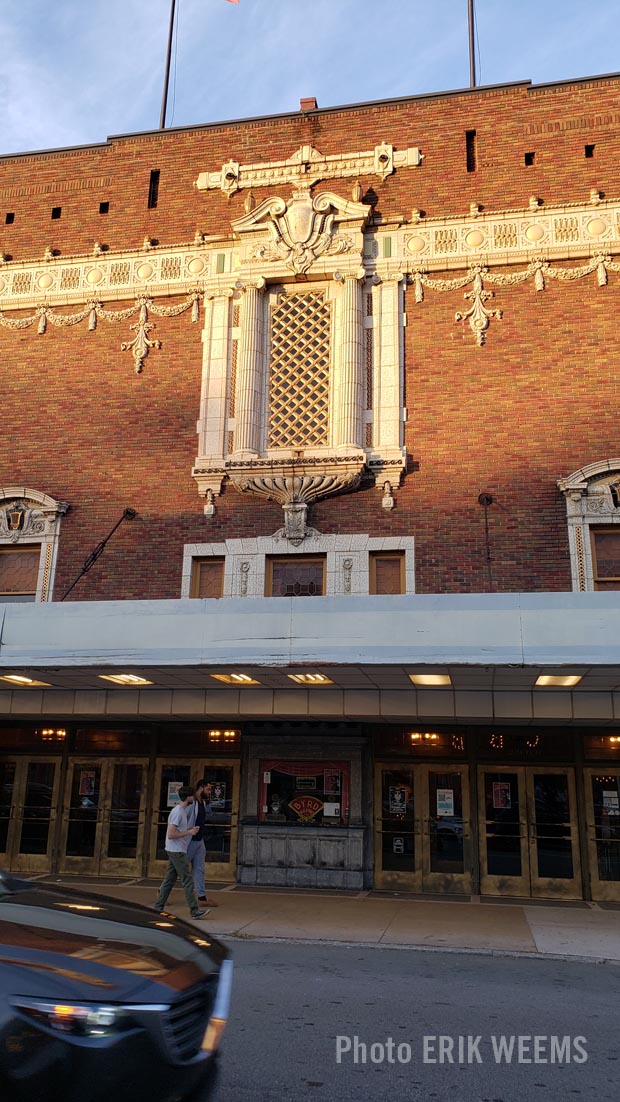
101 999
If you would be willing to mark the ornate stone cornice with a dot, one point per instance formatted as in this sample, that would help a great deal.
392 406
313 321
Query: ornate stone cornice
301 229
307 166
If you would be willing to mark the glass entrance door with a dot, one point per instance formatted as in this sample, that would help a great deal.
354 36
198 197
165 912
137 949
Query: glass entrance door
602 787
104 817
422 831
222 812
29 790
528 833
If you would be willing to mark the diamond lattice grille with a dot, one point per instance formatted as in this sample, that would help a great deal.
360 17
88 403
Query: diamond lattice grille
299 371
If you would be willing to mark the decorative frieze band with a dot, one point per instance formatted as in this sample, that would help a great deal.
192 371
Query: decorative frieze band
107 275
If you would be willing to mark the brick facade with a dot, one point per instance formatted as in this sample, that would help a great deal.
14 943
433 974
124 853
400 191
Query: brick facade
534 404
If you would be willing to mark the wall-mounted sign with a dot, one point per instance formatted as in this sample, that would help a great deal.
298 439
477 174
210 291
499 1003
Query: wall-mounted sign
502 797
173 792
305 783
306 807
445 801
217 796
397 799
331 810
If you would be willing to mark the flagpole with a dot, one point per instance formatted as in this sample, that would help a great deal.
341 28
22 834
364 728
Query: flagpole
164 102
472 55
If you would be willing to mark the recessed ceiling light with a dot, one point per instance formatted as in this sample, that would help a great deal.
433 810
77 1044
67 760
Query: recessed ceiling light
430 679
310 678
23 682
124 679
557 681
235 678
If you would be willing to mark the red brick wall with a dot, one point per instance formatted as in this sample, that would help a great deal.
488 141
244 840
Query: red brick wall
537 402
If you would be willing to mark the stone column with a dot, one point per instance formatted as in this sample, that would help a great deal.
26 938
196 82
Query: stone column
248 393
348 426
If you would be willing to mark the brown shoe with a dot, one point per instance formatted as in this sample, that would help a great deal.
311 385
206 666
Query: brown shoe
207 902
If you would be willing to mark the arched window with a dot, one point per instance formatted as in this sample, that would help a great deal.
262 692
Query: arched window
593 514
29 531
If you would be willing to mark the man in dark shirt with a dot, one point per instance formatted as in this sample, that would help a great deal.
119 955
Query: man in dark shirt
197 850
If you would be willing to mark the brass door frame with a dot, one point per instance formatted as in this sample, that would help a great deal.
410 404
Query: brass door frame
455 883
492 884
420 878
390 879
215 870
603 890
530 884
123 866
12 859
547 887
100 863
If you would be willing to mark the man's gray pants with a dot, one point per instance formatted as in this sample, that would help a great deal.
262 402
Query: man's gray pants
178 869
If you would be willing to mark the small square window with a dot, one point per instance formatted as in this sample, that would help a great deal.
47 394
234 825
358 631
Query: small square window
19 570
588 151
9 218
387 572
529 158
56 212
104 207
295 576
207 578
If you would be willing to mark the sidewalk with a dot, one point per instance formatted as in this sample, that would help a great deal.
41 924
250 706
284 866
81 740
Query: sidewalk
588 931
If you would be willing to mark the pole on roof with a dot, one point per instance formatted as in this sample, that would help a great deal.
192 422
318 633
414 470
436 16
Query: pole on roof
472 55
164 101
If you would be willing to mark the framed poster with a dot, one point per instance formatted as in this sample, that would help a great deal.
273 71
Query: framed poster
173 793
502 797
445 802
87 782
332 782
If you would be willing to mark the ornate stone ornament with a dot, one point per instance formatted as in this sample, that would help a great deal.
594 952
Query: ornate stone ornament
307 166
296 485
302 229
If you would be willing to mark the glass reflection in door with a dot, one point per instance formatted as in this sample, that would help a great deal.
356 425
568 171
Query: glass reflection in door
37 807
445 822
218 797
172 778
552 833
125 811
83 810
606 809
7 785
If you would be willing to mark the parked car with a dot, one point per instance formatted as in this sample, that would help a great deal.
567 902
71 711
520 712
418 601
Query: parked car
105 1000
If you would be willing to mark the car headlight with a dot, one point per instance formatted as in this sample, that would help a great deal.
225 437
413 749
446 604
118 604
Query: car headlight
221 1007
77 1019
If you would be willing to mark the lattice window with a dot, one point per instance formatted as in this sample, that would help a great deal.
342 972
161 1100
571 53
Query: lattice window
299 371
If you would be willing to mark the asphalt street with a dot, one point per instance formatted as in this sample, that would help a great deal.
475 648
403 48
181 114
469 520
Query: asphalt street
305 1019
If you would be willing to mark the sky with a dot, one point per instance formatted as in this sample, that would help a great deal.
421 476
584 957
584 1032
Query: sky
76 71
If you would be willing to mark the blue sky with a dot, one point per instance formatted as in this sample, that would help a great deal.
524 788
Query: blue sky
76 71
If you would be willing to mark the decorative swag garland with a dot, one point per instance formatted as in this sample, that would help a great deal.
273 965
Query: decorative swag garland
141 343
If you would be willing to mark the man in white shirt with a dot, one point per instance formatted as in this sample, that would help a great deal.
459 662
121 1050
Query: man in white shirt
178 837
